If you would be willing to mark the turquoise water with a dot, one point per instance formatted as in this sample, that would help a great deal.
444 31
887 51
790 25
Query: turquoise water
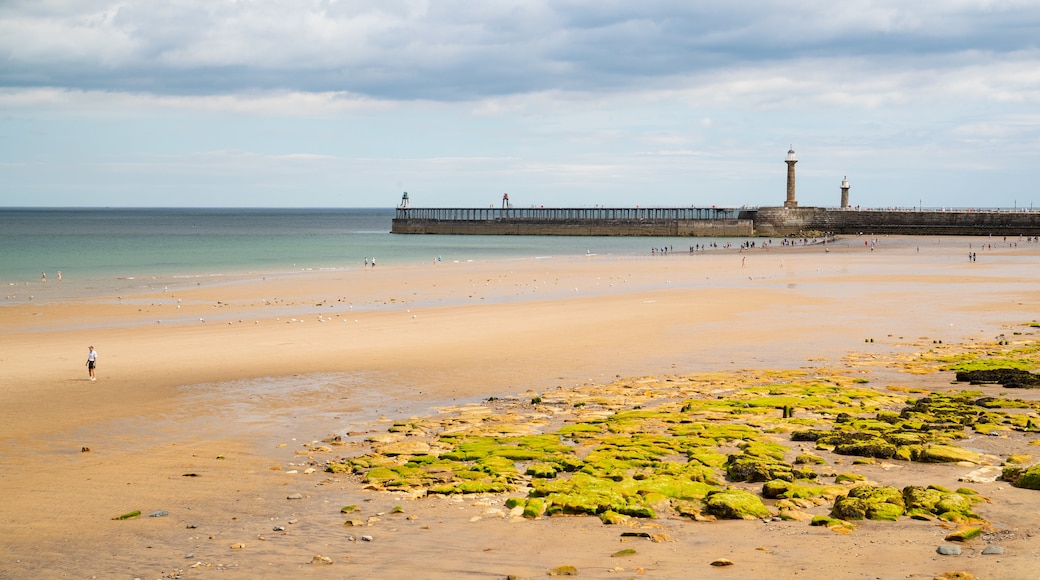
109 250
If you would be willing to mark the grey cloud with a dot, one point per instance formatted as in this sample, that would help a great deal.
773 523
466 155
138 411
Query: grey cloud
460 50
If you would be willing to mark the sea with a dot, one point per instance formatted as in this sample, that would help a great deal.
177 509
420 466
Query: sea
103 251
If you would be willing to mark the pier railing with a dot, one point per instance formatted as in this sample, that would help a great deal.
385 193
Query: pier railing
556 214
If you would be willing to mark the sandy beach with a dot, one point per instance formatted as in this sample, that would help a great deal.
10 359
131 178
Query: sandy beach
210 399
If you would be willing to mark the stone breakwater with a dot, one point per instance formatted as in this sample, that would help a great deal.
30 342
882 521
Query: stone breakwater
781 221
712 222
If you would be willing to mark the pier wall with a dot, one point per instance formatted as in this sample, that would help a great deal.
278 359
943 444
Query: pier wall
710 222
674 222
780 221
684 228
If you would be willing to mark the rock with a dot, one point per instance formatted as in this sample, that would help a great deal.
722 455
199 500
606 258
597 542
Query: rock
294 496
189 555
987 474
735 504
159 514
948 550
563 571
947 454
404 448
321 561
722 562
278 528
869 502
1009 378
740 467
993 550
238 546
963 535
366 538
955 576
129 515
1028 478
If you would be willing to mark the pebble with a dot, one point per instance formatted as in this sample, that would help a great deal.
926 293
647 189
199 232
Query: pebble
991 549
159 514
947 550
279 528
366 538
189 555
294 496
722 562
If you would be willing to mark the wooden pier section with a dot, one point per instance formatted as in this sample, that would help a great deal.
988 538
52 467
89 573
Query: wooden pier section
586 221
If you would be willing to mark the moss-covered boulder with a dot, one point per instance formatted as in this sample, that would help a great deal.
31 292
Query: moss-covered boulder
863 446
809 458
869 502
920 500
963 535
799 489
936 501
946 454
740 467
1024 477
1008 377
735 504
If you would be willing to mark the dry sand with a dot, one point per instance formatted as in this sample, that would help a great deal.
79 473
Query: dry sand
227 382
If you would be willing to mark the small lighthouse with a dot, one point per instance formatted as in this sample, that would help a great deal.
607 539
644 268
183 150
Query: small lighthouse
845 192
791 160
404 201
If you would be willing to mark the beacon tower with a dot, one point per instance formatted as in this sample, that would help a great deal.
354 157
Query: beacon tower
845 192
791 160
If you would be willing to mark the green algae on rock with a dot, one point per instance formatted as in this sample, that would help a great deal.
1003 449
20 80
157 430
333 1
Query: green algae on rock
735 504
889 503
869 502
129 515
649 447
1024 477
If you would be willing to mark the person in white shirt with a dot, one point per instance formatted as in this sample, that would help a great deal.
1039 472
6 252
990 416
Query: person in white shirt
91 362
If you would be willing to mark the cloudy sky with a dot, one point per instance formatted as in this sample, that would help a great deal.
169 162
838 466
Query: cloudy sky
349 103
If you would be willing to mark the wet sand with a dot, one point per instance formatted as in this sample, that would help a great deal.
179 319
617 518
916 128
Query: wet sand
206 396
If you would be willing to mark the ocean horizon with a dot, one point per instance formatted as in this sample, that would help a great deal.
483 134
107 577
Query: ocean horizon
109 250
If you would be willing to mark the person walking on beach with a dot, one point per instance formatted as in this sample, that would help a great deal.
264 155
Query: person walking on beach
91 362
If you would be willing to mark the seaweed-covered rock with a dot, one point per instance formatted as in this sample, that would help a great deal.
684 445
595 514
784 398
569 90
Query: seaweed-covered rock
810 435
735 504
869 502
946 454
740 467
861 445
1024 477
1009 378
920 499
809 458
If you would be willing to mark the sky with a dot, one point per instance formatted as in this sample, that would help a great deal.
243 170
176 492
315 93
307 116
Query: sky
569 103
